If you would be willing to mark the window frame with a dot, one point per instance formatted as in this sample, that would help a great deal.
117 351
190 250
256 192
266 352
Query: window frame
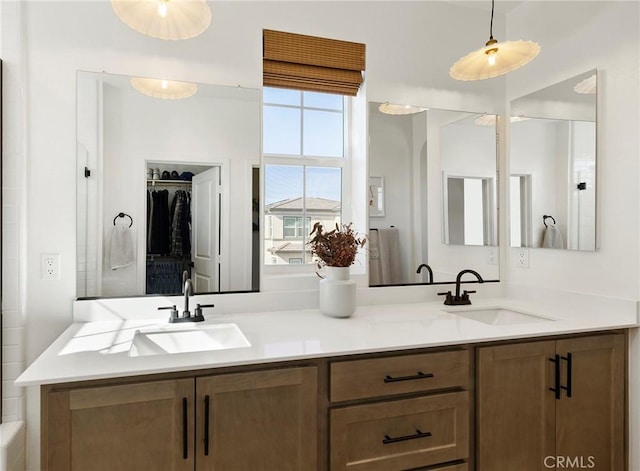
304 161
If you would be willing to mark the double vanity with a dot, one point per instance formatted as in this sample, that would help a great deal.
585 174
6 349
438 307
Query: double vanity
397 386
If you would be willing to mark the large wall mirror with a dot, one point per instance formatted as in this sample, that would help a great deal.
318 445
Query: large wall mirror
432 195
553 166
166 184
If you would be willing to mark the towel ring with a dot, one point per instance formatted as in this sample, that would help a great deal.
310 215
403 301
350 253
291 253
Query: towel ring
544 220
122 215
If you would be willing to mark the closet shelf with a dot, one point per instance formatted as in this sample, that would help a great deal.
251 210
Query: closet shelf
168 182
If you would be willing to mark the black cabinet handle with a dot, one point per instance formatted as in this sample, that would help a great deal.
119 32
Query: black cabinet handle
569 360
418 434
556 389
206 425
420 375
185 436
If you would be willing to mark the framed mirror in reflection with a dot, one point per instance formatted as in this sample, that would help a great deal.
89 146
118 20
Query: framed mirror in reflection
553 166
440 216
182 170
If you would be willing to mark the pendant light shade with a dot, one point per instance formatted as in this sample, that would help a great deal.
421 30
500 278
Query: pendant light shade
164 89
390 108
495 58
588 86
165 19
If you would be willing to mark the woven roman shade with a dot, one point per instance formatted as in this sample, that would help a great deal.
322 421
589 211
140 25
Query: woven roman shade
310 63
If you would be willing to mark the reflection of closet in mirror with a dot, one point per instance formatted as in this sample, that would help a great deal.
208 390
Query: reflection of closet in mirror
121 133
182 227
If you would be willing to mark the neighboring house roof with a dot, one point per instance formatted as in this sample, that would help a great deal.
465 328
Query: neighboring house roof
289 247
311 204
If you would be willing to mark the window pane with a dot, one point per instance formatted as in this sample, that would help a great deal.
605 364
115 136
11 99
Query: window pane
281 96
324 196
323 100
282 182
283 187
281 130
323 134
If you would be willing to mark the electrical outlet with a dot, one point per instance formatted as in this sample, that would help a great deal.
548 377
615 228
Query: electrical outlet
523 258
492 256
50 266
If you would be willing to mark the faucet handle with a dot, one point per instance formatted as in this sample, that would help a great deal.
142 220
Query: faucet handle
448 300
197 312
174 311
468 292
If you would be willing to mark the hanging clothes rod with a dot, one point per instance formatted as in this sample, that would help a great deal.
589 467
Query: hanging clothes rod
123 215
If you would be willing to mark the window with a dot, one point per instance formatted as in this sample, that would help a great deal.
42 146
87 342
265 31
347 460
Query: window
293 227
303 144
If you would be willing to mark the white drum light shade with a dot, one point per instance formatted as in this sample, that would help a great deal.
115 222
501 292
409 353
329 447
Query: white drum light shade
390 108
165 19
494 59
164 89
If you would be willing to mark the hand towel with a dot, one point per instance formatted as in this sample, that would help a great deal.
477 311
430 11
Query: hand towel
389 253
552 238
375 270
121 251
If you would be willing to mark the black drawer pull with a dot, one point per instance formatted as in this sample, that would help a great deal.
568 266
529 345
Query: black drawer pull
206 425
185 433
556 388
569 360
418 434
420 375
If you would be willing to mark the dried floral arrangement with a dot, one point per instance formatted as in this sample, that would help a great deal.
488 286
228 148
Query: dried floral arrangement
337 248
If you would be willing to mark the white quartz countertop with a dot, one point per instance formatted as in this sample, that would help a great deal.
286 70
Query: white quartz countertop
98 350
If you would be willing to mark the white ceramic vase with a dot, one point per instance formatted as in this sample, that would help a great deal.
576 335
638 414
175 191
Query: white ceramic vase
337 292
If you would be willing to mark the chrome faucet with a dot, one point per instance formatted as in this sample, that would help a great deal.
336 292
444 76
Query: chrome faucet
186 314
460 299
188 291
429 270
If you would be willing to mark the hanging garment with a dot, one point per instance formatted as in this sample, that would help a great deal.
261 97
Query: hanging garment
177 217
160 236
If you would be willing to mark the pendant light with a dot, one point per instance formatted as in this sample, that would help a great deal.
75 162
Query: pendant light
587 86
164 89
165 19
495 58
391 108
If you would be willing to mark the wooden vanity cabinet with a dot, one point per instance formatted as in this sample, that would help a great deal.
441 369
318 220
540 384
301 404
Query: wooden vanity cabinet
125 427
404 412
523 424
258 420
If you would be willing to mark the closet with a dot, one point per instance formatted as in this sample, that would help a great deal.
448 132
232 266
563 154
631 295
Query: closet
170 225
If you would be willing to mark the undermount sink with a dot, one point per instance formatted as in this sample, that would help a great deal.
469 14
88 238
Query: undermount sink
498 316
196 338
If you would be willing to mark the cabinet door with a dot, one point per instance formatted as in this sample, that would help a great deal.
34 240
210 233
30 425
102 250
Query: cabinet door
590 414
132 427
265 420
515 409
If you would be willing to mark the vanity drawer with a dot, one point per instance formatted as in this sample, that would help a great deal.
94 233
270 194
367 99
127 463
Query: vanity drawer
402 434
359 379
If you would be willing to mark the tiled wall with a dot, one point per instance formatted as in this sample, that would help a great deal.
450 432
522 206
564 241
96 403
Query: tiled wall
13 186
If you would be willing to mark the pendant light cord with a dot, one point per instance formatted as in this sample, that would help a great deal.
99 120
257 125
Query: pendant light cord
491 26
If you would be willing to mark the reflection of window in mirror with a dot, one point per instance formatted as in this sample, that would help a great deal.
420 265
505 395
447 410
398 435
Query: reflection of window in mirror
469 214
520 210
303 146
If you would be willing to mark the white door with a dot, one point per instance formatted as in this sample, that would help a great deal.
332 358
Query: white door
206 231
